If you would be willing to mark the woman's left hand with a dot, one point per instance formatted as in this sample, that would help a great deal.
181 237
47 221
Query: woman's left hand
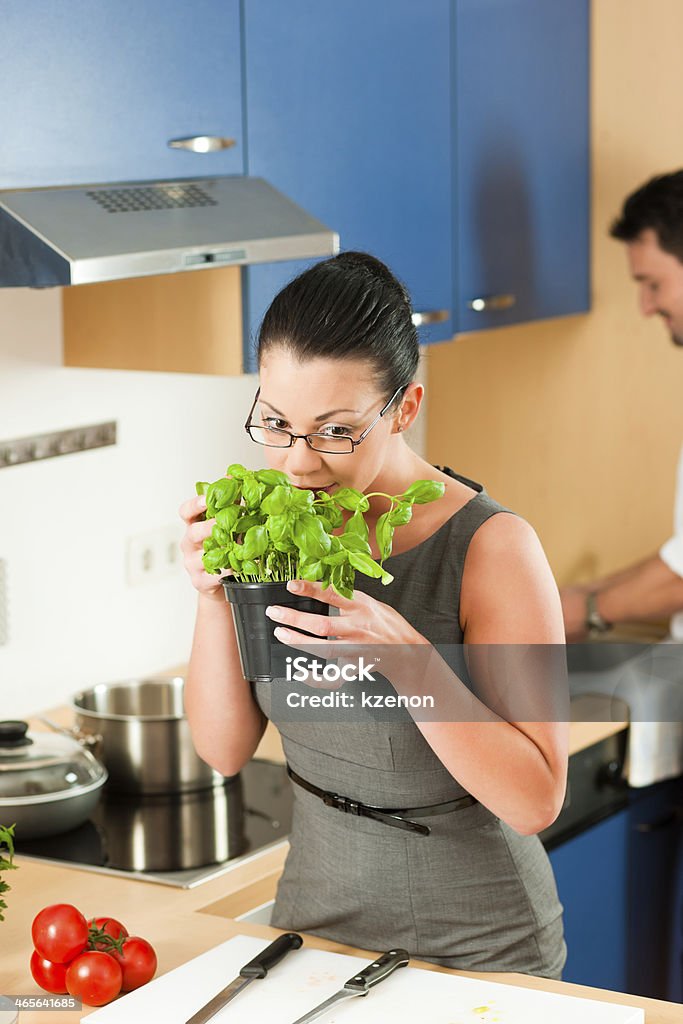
362 623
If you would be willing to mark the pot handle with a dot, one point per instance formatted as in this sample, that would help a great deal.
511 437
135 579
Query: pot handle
91 741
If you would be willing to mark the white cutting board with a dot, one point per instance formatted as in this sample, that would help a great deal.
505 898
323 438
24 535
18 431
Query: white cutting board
308 976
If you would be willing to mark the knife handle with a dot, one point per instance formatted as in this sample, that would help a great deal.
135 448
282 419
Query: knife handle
378 970
271 955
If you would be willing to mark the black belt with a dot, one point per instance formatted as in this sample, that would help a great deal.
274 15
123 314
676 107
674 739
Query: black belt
387 815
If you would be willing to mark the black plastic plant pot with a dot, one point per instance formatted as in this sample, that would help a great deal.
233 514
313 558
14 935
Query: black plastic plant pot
262 655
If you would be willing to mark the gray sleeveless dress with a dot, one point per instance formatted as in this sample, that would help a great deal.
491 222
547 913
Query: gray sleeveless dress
474 894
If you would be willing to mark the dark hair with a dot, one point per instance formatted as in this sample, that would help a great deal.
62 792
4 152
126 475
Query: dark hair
658 204
348 307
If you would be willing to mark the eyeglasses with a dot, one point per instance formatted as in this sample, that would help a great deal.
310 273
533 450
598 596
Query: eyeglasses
274 437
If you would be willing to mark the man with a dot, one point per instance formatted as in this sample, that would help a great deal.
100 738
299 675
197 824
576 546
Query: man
651 225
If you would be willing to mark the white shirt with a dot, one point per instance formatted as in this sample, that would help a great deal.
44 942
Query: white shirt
671 553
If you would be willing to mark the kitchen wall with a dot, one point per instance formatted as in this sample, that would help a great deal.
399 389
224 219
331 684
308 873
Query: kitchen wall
577 423
72 618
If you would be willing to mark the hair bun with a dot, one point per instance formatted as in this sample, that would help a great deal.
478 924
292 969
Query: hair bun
372 265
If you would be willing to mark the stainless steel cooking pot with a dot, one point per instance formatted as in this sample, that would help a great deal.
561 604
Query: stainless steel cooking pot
146 744
48 784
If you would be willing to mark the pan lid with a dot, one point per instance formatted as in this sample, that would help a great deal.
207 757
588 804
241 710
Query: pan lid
40 767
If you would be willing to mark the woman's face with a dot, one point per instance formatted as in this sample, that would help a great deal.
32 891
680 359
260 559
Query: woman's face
329 396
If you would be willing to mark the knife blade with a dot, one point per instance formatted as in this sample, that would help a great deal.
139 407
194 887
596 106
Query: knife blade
256 968
361 983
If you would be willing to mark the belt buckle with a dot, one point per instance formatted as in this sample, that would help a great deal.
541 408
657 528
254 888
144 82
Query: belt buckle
341 803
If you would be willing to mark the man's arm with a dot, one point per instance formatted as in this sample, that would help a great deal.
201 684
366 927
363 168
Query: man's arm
645 591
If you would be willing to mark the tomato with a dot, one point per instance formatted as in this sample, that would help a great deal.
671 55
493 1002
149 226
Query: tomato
59 932
108 925
51 977
94 977
138 963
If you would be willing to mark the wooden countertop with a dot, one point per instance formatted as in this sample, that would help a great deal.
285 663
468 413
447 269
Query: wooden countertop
182 923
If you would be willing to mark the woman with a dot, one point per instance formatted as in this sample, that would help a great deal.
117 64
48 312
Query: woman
337 357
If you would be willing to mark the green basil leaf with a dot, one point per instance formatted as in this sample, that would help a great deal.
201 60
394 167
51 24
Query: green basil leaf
215 560
385 535
221 493
336 558
369 567
227 517
286 546
351 500
424 491
255 542
249 567
279 526
273 478
277 501
401 514
202 487
220 535
354 542
301 499
365 564
356 526
237 471
234 559
310 536
331 514
245 523
310 570
252 491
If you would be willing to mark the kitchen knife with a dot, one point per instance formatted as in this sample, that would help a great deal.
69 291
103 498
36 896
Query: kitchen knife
361 983
256 968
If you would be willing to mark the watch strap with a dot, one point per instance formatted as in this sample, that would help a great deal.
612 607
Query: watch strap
595 623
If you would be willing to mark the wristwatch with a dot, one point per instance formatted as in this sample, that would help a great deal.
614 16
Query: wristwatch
595 623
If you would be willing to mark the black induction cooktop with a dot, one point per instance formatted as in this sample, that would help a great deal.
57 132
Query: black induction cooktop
178 839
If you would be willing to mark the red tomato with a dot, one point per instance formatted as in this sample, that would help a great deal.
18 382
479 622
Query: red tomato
94 977
59 932
138 963
51 977
110 926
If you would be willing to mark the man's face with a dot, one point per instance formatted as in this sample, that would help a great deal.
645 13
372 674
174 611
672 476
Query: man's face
660 278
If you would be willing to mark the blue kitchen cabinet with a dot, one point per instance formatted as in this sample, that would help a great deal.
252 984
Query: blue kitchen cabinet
93 91
521 160
621 885
449 137
348 113
655 946
591 871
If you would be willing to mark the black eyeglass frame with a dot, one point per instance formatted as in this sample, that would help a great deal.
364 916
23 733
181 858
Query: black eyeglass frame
294 437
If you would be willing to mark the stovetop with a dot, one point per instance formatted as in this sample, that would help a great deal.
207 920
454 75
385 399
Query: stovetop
179 839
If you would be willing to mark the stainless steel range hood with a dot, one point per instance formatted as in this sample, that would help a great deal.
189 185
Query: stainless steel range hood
62 236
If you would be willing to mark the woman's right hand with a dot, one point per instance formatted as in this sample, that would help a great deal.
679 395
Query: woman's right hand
192 547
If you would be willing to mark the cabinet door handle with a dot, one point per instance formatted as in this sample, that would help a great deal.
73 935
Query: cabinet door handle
660 823
486 303
202 143
430 316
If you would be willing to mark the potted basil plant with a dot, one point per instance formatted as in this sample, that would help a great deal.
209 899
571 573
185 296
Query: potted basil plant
268 531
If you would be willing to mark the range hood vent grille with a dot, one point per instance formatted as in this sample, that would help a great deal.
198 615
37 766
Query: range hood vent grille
158 197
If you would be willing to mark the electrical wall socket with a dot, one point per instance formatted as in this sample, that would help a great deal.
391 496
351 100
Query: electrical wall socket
153 555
